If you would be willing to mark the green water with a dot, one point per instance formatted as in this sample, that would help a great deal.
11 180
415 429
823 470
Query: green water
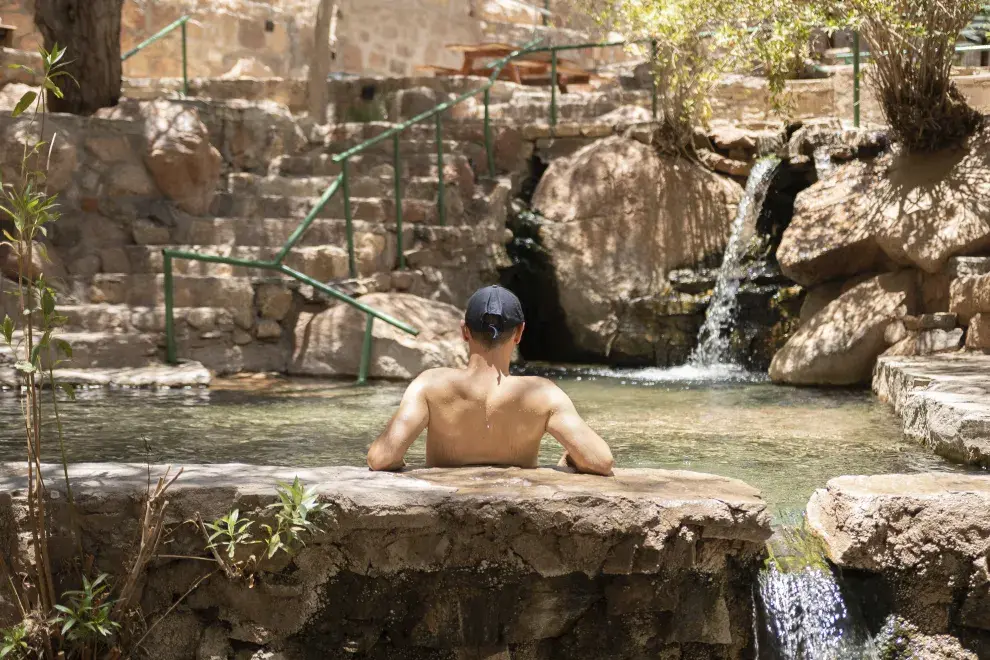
787 442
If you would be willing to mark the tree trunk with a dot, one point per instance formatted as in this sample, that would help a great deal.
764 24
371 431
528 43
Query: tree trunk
91 31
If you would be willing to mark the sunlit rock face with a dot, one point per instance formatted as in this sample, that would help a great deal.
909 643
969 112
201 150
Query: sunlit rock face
620 217
925 538
476 562
914 210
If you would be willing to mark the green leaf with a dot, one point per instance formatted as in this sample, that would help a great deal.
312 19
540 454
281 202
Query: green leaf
65 347
7 328
69 389
47 302
24 103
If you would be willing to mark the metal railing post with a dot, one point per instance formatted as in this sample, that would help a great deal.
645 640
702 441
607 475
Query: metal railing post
397 166
489 147
653 75
856 87
171 355
365 366
185 65
441 196
344 183
546 8
553 88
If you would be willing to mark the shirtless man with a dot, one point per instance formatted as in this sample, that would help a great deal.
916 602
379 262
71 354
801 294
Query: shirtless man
481 415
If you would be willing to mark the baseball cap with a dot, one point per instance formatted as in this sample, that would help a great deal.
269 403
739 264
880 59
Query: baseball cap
493 309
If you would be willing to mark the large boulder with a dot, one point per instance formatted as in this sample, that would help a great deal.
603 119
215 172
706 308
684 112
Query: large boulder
912 210
927 536
329 343
841 343
620 217
181 159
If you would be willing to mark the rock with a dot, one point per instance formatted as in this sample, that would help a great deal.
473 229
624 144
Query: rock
329 343
627 115
414 101
978 334
840 344
924 534
720 163
268 330
60 141
130 179
942 400
148 232
10 95
967 266
818 298
940 321
273 301
214 644
248 67
51 267
828 136
925 342
969 296
901 639
442 563
619 218
895 332
907 209
183 163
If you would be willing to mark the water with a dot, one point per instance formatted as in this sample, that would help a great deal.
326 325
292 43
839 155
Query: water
787 442
713 338
805 617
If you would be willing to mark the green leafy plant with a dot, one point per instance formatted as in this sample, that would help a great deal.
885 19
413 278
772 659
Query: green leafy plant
86 620
229 533
293 515
14 642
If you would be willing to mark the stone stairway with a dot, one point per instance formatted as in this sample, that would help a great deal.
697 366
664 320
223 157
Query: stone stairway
231 318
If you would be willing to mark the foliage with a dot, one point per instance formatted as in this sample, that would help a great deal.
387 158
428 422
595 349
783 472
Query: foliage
86 619
14 642
294 514
229 533
697 42
913 49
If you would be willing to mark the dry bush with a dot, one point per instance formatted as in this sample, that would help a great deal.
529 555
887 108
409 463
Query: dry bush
913 44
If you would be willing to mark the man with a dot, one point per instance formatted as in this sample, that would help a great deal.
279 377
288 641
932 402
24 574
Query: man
482 415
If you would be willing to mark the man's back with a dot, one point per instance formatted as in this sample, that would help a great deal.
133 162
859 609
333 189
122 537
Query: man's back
480 415
487 419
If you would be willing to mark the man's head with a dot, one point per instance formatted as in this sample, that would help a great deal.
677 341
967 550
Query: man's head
494 318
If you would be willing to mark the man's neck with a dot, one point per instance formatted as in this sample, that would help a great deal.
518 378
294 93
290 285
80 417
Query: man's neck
497 360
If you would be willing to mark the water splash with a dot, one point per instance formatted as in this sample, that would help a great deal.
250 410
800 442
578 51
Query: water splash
713 339
823 162
806 618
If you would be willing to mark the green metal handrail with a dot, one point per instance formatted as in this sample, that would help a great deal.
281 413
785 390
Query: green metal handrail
180 23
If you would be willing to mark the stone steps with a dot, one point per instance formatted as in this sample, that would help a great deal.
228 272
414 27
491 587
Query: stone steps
295 208
106 349
413 189
376 165
254 232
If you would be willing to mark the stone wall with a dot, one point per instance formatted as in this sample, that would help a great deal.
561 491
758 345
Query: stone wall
471 563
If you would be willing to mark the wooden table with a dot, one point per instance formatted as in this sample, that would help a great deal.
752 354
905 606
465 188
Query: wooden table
529 69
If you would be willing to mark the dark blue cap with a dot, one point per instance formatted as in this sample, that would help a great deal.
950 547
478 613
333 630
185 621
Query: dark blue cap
493 309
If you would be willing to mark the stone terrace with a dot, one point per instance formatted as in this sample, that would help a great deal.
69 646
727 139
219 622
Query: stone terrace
467 563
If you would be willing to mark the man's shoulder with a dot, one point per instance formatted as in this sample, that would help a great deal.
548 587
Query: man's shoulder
537 386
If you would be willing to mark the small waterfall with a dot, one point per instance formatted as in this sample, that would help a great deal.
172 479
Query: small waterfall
713 339
823 162
805 618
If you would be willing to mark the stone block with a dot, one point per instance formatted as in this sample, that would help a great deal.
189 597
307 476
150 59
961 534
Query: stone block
268 330
969 296
978 335
273 301
967 266
148 232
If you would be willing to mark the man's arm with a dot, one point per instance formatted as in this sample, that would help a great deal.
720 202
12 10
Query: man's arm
407 423
586 451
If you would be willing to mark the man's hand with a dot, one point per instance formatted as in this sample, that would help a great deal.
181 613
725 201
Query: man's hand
584 450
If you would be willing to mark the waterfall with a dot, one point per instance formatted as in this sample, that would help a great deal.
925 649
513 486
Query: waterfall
805 618
713 339
823 162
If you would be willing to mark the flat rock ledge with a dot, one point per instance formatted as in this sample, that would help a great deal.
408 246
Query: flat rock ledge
916 545
469 563
943 400
190 374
